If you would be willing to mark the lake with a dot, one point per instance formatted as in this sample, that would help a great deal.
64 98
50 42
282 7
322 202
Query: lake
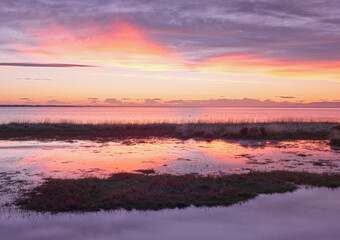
311 213
163 114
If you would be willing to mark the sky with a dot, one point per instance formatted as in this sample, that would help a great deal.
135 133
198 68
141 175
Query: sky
170 53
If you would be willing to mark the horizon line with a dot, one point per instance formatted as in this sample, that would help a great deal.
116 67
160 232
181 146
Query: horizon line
150 106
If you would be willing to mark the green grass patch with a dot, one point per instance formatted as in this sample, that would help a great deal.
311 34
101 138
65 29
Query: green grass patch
154 192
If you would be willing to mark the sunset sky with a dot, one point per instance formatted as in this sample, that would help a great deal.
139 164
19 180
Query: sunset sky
176 53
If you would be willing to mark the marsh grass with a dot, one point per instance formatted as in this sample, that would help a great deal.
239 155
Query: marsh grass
154 192
335 136
206 130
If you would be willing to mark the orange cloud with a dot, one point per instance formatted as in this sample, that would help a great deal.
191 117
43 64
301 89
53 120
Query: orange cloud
242 63
125 45
125 38
128 45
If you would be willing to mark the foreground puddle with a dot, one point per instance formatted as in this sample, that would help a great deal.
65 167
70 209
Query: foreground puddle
36 160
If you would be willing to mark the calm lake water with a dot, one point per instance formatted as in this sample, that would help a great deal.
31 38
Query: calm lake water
163 114
311 214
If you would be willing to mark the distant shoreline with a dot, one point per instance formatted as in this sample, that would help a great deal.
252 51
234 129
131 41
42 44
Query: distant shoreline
148 106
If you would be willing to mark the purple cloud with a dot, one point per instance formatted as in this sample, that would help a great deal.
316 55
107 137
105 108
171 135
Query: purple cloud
93 100
275 29
113 101
220 102
286 97
152 101
28 101
54 102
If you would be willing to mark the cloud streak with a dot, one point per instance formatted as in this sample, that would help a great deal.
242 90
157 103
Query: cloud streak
54 102
52 65
35 79
113 101
286 97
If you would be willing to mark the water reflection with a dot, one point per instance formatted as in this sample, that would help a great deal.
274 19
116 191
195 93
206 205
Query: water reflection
305 214
36 160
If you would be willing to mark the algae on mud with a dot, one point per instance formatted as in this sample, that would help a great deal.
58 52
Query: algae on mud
154 192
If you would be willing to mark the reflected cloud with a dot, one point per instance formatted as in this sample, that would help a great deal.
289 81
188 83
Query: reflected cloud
85 158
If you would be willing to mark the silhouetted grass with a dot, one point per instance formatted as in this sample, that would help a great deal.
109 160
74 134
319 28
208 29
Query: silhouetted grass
335 136
229 130
154 192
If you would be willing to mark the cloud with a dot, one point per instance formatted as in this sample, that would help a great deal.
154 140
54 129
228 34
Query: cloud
54 65
93 100
249 102
35 79
213 102
219 102
28 101
113 101
285 97
267 37
125 45
152 101
54 102
176 102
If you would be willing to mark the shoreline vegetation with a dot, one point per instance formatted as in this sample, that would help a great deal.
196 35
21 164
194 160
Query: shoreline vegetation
271 130
154 192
